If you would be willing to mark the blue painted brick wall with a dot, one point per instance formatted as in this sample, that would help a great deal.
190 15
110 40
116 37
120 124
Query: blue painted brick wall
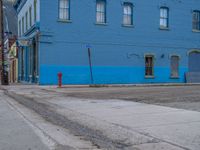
117 51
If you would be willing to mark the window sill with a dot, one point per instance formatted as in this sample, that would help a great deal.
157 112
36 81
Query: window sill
174 77
196 31
127 26
101 24
64 21
163 28
149 77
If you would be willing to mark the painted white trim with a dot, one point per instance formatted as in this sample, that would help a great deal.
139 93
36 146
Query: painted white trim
193 50
170 55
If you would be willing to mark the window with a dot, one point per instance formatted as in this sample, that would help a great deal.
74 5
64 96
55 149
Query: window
149 66
164 17
101 11
196 20
35 10
174 66
20 28
26 20
30 16
64 9
128 14
22 25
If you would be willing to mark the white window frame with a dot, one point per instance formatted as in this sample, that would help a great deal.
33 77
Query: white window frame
64 10
101 12
127 14
164 17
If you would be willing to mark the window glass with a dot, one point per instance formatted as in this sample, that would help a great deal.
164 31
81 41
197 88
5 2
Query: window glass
22 25
164 17
128 14
196 20
101 11
64 10
30 16
26 21
35 10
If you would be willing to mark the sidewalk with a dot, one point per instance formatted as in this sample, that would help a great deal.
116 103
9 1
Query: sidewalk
15 133
136 125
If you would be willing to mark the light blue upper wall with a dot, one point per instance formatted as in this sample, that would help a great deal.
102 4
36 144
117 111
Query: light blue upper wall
146 23
145 32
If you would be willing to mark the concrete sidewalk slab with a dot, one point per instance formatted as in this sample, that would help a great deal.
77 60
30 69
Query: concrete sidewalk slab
15 133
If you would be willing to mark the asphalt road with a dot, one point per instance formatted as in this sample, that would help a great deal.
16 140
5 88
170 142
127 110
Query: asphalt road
115 124
184 97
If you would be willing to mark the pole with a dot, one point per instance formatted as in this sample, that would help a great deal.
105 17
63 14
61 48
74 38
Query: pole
4 73
90 63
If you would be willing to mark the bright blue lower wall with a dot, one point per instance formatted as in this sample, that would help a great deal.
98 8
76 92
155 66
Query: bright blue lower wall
106 75
111 64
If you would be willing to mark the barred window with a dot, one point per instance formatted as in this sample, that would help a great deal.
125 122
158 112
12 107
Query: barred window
128 14
164 17
64 9
101 11
149 66
196 20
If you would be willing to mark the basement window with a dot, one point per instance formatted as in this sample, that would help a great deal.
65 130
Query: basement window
149 66
174 66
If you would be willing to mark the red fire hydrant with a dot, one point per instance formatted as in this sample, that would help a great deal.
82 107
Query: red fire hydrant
59 79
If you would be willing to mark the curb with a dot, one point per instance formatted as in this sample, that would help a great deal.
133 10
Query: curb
126 85
106 85
145 85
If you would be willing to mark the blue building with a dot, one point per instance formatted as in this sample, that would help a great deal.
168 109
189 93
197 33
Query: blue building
109 41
